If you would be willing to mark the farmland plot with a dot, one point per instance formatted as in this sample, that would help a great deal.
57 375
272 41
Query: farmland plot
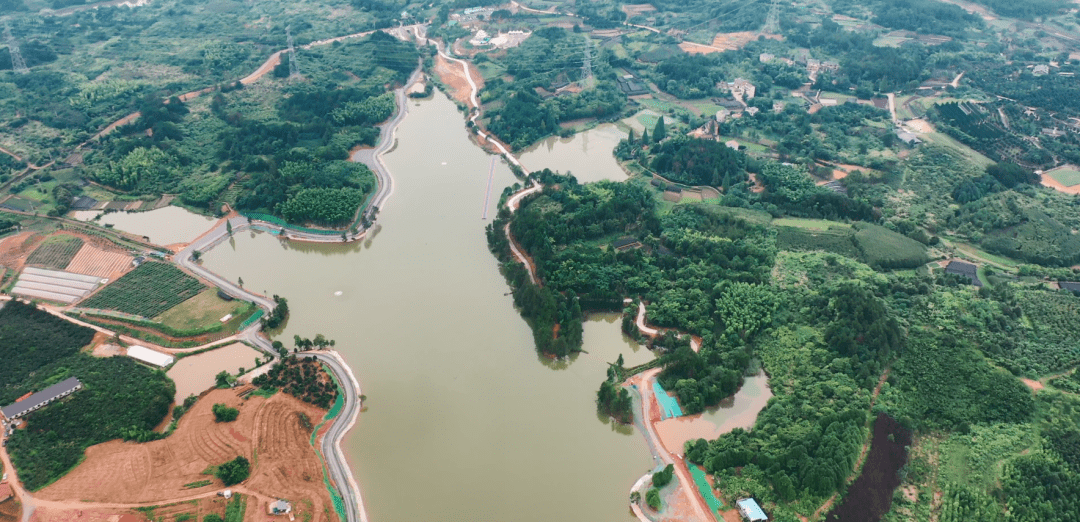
55 252
147 291
94 261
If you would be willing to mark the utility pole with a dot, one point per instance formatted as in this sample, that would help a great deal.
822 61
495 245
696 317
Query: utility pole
586 65
772 21
17 63
294 68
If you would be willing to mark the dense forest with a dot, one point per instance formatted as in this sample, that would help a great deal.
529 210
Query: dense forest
31 339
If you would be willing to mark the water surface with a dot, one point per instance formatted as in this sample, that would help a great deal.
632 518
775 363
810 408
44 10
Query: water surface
588 155
738 411
196 373
164 226
464 420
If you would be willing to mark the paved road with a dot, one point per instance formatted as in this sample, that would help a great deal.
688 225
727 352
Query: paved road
340 473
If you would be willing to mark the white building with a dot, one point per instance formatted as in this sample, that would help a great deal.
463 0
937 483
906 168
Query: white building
149 356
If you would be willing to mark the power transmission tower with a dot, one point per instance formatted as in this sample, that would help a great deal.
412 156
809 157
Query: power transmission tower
772 21
294 68
17 63
586 65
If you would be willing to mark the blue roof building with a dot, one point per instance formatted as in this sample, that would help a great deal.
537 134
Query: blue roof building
750 510
41 398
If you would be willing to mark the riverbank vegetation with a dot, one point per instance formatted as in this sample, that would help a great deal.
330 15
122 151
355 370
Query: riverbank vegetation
303 378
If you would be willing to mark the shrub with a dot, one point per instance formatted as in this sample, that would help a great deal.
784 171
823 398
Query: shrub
652 498
223 413
234 471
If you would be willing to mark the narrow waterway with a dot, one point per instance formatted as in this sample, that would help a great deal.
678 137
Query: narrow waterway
587 155
464 420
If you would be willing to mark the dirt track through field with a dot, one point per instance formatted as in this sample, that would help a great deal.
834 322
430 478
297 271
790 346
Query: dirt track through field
272 436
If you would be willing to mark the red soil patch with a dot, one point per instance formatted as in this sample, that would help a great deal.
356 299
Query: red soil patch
1034 385
238 436
287 466
1048 181
15 249
453 76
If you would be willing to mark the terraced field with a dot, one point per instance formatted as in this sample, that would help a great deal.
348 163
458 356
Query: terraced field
147 291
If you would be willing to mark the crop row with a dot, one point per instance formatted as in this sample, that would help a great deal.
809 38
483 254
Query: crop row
147 291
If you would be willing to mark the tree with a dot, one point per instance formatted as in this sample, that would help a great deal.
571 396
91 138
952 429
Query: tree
212 517
240 281
630 138
228 227
663 477
222 379
659 132
652 498
234 471
223 413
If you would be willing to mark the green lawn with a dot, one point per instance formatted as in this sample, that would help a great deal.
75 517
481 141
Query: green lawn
1068 176
812 224
944 140
201 311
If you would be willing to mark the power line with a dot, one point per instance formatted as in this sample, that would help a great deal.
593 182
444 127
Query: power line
294 68
17 63
772 21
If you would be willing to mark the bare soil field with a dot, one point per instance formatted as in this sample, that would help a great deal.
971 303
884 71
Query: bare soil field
452 75
96 261
733 41
274 429
51 514
633 10
10 510
15 249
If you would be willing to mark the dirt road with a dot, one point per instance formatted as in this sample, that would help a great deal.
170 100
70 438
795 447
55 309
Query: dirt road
643 382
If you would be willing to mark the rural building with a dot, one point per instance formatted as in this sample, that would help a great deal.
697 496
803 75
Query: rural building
149 356
1072 287
766 57
750 510
83 203
739 88
753 111
5 491
37 400
626 243
964 269
1041 70
279 508
631 86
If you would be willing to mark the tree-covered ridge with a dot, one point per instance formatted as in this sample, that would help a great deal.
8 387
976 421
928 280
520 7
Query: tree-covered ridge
549 60
292 162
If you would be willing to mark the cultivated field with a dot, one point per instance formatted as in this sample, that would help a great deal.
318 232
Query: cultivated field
55 252
273 433
1067 175
92 260
147 291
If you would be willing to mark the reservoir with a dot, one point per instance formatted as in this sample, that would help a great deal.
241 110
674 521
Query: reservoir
587 155
463 419
164 226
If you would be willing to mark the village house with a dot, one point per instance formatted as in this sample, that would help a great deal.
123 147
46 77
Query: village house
740 88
